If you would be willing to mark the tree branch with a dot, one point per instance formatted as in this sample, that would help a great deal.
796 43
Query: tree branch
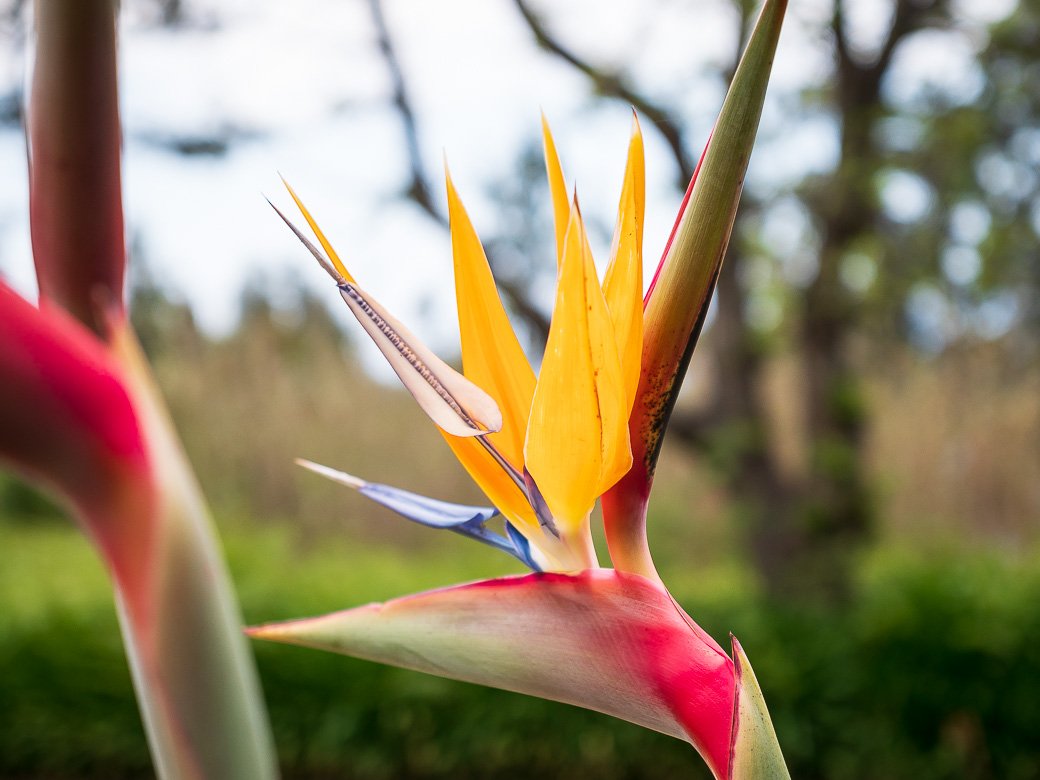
419 189
862 82
615 85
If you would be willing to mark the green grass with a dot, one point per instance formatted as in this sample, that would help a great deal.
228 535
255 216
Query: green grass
932 672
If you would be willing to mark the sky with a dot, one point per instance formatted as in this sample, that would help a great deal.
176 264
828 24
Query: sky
302 88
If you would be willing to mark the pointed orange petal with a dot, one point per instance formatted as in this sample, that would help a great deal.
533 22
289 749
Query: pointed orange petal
491 355
610 386
557 188
577 438
493 359
623 283
321 236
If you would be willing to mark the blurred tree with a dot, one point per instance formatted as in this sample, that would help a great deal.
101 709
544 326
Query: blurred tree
419 189
924 228
164 326
921 228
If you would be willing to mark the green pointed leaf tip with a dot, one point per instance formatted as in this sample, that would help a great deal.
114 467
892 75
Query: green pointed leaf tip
754 753
679 296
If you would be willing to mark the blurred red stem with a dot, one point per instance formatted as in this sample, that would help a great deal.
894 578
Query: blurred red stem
73 135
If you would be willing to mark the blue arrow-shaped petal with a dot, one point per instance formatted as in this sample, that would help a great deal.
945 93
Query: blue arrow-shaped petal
461 518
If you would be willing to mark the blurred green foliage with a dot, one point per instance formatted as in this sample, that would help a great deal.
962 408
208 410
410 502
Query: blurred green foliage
933 671
23 501
929 669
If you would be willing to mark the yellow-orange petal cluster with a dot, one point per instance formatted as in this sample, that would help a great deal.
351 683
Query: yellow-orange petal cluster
563 439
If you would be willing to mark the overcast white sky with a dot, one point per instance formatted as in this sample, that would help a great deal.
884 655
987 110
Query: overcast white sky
305 83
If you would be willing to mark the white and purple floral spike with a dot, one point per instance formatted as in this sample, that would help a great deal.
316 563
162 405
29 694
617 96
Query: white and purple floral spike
463 519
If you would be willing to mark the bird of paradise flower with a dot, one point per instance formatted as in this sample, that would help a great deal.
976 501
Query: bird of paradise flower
545 449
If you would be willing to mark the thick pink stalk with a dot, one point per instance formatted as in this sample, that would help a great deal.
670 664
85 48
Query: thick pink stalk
80 415
67 422
74 141
82 420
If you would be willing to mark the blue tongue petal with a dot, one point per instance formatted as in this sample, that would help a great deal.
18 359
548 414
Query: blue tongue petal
428 511
522 547
461 518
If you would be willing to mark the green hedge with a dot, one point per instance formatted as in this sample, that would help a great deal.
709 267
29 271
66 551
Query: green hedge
933 672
